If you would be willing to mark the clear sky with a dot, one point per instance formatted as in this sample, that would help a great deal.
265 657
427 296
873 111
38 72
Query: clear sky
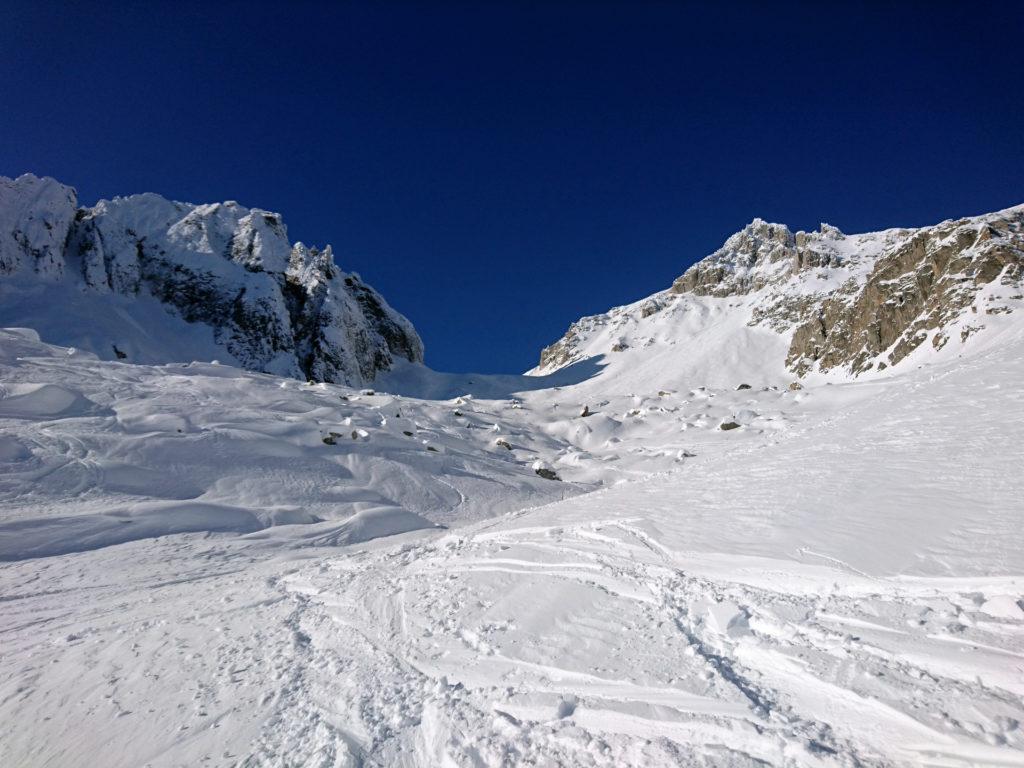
497 170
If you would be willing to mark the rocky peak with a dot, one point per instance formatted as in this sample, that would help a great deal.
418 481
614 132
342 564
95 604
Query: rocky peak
274 307
35 217
260 242
828 231
758 242
309 267
759 254
840 302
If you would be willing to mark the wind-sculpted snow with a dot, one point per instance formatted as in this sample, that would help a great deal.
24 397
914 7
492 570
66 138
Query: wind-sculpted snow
88 444
47 536
150 280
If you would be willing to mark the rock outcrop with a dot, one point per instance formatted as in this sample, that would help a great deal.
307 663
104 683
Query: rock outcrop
914 291
274 306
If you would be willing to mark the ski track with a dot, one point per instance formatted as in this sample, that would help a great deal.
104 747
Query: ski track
757 693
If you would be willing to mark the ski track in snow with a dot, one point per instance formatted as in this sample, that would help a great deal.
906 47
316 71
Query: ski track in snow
838 583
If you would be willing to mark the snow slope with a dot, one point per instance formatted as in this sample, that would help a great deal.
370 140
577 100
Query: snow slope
838 581
201 565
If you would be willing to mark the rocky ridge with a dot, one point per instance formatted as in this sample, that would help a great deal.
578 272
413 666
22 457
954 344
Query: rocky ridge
843 303
276 307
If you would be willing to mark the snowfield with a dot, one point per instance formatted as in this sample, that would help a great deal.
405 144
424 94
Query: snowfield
772 515
206 566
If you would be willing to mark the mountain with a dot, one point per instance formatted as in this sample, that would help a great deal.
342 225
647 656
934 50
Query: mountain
696 535
149 280
774 302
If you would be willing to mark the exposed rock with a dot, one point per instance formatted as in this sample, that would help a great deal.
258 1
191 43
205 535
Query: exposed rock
747 262
725 426
918 282
742 386
561 353
914 289
547 474
585 412
650 308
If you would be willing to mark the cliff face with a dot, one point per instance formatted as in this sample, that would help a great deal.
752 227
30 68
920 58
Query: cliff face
275 307
850 303
916 290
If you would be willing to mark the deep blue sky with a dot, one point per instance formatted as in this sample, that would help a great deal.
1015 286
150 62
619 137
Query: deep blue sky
498 170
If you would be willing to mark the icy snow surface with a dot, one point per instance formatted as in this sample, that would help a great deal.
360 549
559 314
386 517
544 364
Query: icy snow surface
205 566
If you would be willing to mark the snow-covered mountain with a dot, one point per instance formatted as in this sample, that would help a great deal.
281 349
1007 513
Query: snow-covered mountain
773 302
709 530
150 280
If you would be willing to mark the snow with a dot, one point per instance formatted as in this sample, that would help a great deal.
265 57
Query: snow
193 575
203 565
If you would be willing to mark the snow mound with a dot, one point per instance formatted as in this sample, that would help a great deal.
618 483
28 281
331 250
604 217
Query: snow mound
365 525
97 453
37 401
50 536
